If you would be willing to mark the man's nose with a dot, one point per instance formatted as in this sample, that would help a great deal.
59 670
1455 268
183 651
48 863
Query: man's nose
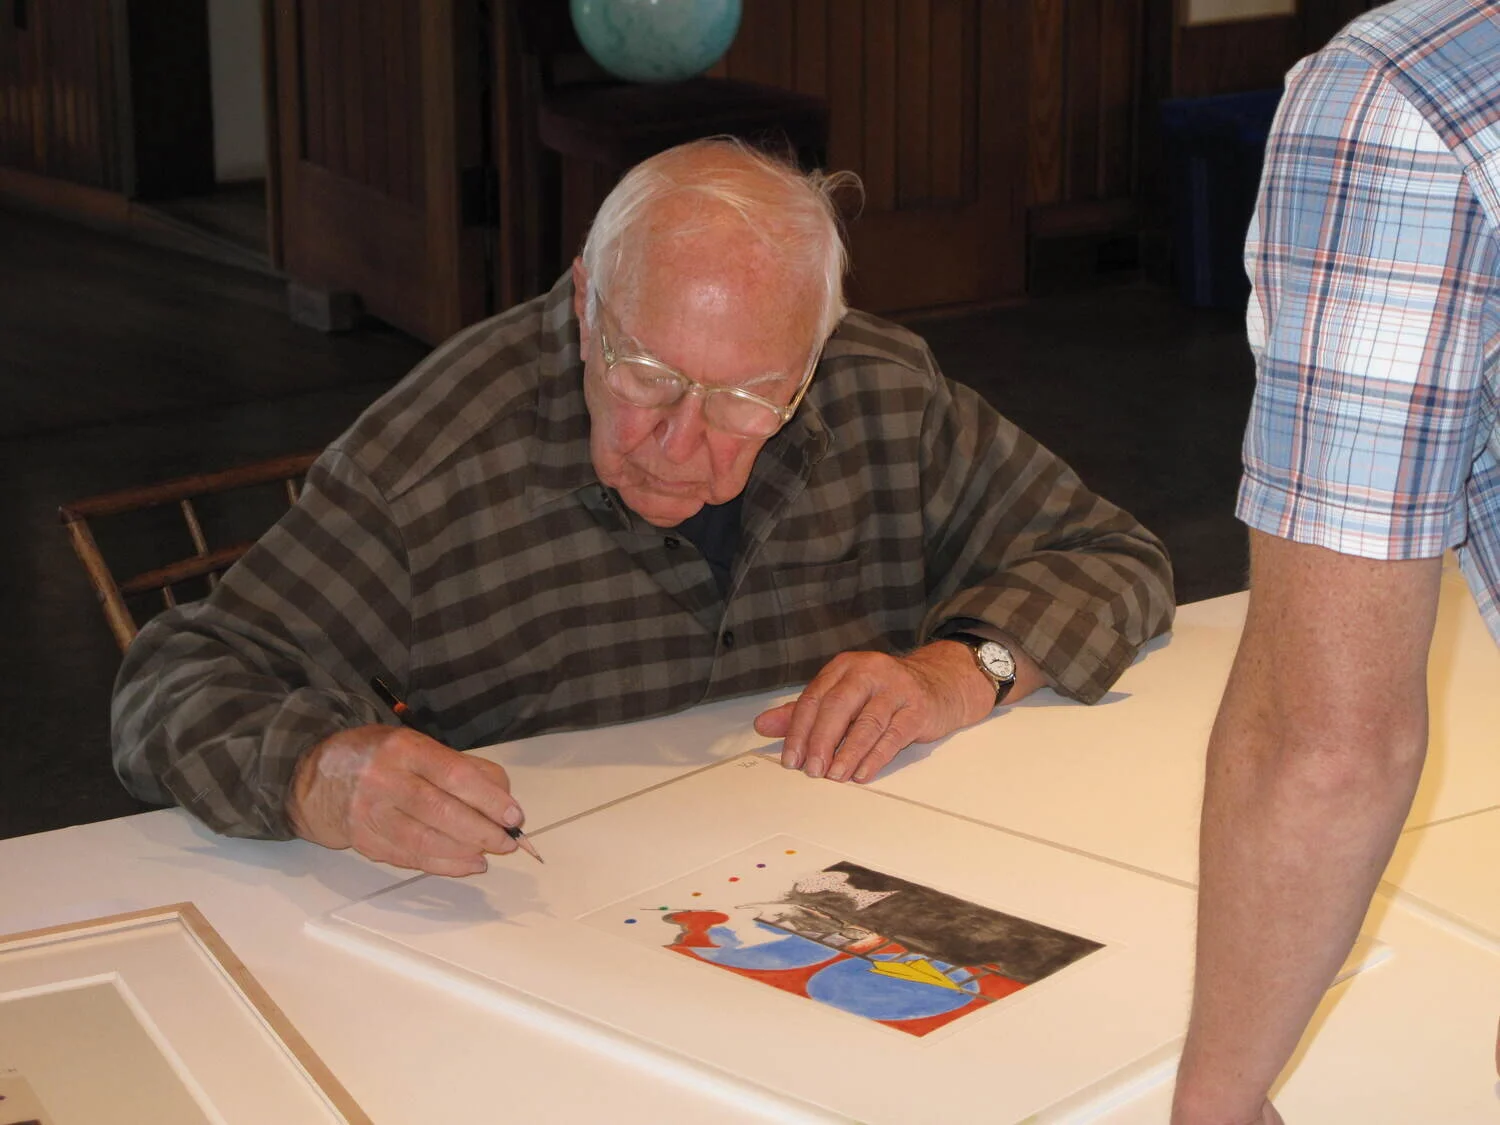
680 431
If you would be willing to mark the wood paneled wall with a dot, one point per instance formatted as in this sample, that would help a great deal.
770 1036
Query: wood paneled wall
1084 100
360 62
899 77
1226 58
58 91
897 118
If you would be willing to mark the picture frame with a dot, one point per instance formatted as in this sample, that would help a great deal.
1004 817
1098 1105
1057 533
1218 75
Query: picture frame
149 1016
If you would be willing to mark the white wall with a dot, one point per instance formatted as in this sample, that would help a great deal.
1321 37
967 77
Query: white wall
239 114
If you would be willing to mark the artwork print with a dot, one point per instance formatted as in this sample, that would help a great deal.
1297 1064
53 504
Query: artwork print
803 920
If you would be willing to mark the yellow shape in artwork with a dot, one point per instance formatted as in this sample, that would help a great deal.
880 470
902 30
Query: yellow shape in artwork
920 971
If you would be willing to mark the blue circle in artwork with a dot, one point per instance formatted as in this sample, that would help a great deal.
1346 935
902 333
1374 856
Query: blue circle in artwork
790 952
854 987
656 40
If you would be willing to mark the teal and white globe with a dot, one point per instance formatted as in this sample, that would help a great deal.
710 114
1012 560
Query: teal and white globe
656 40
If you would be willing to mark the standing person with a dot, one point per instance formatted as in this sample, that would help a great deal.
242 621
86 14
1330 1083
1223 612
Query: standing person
1372 448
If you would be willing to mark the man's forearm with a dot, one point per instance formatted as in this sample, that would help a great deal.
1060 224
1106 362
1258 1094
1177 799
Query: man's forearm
1312 764
1292 850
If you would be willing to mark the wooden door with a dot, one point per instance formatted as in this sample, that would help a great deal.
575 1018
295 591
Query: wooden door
378 109
927 102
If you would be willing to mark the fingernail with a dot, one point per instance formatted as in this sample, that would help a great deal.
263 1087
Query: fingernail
512 816
790 759
862 774
838 772
815 767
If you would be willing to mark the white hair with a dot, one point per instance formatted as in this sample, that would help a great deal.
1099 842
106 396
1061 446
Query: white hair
792 212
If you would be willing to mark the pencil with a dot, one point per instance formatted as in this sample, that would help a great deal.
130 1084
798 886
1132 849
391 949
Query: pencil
403 712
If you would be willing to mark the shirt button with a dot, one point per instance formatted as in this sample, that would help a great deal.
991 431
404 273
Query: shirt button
728 638
671 543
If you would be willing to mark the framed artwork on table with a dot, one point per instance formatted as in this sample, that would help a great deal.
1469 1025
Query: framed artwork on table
150 1017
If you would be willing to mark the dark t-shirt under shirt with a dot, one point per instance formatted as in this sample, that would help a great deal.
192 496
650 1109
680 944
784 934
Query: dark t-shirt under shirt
715 530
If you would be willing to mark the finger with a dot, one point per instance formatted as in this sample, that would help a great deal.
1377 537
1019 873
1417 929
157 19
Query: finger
899 733
482 789
393 836
774 723
804 712
836 713
439 809
864 731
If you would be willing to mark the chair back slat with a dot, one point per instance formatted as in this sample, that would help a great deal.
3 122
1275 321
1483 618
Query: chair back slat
206 563
195 529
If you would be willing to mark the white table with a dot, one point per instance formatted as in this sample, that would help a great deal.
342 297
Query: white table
1408 1040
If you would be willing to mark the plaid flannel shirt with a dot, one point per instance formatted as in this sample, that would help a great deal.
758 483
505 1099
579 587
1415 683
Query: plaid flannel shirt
458 543
1376 312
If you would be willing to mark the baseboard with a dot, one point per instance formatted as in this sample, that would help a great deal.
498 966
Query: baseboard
114 213
62 198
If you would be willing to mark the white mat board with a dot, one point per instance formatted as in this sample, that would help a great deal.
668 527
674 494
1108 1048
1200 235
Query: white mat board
533 932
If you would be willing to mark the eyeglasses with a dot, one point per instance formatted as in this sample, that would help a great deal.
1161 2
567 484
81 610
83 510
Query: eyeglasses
645 381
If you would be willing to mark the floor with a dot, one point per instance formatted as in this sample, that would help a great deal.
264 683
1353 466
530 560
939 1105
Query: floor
123 363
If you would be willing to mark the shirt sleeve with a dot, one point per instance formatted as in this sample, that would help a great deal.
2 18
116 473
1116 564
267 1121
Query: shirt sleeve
1370 262
217 700
1016 541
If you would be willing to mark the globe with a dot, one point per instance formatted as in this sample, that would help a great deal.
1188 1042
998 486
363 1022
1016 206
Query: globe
656 40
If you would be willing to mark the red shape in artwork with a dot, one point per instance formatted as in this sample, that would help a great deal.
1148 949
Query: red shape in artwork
695 926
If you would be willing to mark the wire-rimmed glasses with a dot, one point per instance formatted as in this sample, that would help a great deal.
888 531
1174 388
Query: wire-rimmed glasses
645 381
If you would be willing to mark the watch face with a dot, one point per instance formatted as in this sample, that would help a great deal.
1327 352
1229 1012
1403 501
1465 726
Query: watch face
997 660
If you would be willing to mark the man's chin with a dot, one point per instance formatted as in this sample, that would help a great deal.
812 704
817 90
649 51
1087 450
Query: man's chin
659 510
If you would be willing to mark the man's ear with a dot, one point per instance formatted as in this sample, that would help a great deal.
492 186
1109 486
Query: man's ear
580 305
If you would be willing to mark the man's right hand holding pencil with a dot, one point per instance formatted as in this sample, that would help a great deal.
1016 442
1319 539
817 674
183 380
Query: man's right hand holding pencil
399 797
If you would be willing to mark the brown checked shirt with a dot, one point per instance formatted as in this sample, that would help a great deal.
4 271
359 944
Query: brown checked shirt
457 542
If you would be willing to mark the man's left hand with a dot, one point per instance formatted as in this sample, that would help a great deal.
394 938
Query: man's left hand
864 708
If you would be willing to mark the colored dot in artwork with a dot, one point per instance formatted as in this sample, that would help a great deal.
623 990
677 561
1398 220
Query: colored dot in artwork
630 921
697 894
791 851
760 865
734 878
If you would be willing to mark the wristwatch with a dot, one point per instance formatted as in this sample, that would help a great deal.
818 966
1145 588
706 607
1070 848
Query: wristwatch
994 660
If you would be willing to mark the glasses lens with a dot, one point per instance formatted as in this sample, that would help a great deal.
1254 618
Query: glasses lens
644 385
736 415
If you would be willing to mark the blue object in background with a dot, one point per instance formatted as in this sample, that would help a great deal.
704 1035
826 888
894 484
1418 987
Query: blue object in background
656 40
1214 149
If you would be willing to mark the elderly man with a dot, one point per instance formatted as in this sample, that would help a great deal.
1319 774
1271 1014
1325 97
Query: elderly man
666 481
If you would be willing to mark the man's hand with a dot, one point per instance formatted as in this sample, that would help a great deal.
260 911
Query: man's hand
399 797
864 708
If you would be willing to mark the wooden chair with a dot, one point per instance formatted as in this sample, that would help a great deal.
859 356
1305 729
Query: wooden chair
596 127
204 564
